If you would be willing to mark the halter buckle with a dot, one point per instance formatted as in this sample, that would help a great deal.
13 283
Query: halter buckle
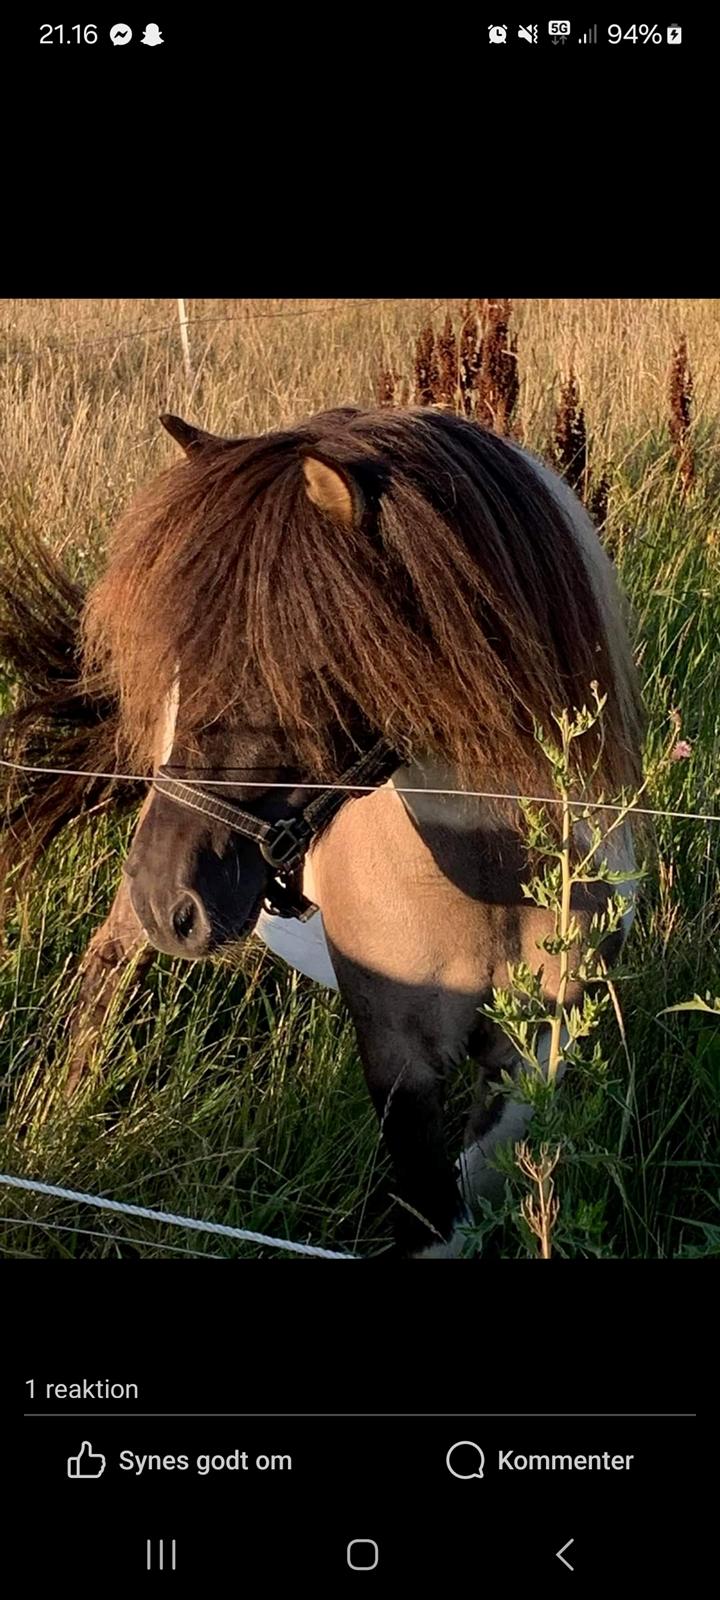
285 846
288 900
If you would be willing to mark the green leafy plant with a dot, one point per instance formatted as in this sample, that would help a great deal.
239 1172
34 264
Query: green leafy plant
708 1005
549 1033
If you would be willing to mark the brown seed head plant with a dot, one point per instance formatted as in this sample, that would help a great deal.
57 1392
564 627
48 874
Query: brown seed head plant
681 394
496 384
385 387
474 370
469 354
425 367
570 436
446 367
571 452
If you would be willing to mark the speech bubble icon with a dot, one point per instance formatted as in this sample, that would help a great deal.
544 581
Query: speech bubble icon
479 1459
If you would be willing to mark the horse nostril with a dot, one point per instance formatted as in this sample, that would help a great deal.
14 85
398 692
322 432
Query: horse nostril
183 919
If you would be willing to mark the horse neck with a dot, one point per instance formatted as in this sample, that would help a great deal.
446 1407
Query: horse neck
476 825
428 810
467 812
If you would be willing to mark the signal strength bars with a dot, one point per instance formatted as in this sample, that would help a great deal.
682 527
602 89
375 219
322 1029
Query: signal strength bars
590 35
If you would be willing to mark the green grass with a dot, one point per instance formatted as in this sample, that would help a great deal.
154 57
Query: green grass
235 1094
219 1092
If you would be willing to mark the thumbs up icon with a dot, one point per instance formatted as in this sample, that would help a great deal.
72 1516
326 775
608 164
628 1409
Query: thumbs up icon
86 1464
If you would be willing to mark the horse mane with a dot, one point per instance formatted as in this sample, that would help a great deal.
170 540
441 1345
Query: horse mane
457 608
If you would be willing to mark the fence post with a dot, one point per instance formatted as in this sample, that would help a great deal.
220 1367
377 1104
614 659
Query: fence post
185 342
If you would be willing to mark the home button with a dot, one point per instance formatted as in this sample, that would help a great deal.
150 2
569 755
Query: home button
362 1555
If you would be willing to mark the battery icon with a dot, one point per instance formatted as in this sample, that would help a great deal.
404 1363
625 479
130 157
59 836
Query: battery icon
674 34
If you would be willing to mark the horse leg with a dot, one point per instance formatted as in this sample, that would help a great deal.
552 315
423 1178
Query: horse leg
409 1038
118 944
407 1087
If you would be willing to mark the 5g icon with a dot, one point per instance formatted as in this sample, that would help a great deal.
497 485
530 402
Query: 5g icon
559 30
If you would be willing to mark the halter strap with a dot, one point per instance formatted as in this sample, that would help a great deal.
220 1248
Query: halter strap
283 844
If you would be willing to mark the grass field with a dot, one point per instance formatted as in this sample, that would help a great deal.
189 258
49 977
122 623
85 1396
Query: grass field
235 1094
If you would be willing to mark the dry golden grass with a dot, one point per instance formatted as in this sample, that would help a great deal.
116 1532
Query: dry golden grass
82 382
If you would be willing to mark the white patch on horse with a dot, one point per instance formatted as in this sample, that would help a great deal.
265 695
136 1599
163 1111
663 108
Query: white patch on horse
166 736
301 944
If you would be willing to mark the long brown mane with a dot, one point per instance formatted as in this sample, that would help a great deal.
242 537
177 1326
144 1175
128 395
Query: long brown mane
457 608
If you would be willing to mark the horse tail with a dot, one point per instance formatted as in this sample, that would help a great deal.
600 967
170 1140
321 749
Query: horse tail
54 718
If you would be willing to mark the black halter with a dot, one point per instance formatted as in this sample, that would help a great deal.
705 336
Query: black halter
283 844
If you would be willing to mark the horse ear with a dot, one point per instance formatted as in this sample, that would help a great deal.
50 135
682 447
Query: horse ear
329 490
188 437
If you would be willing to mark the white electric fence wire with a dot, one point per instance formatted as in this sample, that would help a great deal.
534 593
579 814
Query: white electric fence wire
368 788
102 1204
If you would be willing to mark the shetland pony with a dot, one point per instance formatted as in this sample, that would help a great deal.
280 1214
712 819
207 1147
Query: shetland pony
403 588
